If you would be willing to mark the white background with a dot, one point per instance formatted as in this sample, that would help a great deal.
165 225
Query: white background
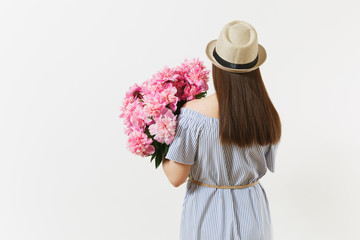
65 172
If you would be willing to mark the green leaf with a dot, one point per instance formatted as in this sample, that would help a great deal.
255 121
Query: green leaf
158 160
200 95
166 149
152 157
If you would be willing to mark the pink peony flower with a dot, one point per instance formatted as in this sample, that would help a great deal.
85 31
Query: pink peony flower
133 91
199 77
152 85
138 117
164 127
191 91
166 74
153 104
168 96
140 144
128 106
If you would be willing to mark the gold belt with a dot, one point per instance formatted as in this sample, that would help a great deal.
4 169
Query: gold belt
223 187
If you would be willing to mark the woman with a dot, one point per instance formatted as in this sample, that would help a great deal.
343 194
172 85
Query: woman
225 143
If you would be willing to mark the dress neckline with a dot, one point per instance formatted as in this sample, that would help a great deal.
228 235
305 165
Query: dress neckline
197 115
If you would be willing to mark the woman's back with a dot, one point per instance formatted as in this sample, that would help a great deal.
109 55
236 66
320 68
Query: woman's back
213 213
206 112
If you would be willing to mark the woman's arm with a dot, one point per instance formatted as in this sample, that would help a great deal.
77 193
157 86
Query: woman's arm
177 173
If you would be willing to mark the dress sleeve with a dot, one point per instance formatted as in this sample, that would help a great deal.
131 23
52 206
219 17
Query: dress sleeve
183 149
270 156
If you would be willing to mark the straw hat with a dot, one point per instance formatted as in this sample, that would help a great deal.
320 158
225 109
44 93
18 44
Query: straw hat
237 49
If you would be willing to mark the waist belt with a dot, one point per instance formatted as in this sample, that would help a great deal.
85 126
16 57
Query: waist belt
223 187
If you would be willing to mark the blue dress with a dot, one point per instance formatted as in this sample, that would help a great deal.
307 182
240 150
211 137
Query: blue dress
213 213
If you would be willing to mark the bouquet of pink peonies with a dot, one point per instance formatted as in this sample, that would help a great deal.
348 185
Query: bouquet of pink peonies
150 111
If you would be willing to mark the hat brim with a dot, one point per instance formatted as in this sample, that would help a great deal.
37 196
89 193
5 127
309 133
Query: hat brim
261 58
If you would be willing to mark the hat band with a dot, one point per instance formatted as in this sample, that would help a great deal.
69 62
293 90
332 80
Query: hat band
225 63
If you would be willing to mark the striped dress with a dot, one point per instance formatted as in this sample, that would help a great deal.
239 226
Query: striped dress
213 213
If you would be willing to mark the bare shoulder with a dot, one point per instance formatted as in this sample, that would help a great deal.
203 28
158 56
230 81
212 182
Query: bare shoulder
193 104
207 106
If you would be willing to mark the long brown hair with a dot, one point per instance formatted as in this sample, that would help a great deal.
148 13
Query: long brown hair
247 115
